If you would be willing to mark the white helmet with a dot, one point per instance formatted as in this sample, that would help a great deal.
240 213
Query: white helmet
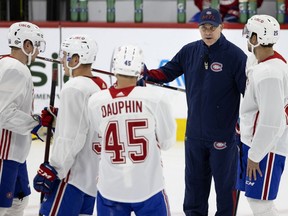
266 27
21 31
82 45
127 60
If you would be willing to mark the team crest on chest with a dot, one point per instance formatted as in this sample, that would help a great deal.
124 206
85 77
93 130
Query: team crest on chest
220 145
216 67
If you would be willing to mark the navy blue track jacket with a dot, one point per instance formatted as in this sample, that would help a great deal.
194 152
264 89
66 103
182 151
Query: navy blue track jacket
214 78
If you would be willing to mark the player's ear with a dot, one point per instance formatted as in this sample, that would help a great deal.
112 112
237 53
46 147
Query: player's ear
75 59
253 39
27 45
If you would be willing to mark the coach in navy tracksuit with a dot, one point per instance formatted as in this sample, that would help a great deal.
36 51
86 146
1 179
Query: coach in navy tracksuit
214 70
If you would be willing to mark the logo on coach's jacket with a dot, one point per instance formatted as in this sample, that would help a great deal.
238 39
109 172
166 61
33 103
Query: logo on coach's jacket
220 145
216 66
9 195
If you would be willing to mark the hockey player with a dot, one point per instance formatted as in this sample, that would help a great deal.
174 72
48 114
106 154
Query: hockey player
214 71
70 178
135 125
262 117
16 115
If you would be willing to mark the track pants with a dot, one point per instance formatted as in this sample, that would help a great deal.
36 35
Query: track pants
204 160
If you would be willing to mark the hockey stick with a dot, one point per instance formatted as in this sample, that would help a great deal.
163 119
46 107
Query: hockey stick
111 74
239 144
237 201
51 103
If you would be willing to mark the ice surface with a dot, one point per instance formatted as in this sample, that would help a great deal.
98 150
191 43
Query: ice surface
173 162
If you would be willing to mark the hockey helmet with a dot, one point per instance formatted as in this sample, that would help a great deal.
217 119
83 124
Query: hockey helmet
19 32
127 60
266 27
82 45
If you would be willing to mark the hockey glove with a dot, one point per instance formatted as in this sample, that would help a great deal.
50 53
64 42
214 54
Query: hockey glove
141 82
36 128
48 116
45 178
143 77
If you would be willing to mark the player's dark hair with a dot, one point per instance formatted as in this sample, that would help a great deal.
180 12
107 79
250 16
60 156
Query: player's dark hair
265 46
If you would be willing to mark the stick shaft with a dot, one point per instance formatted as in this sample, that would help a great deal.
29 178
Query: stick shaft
237 202
51 103
111 74
49 129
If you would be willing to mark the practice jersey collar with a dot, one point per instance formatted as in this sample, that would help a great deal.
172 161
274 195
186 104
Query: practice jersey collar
276 55
122 92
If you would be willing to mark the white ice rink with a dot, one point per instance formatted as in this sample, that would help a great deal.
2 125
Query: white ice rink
173 161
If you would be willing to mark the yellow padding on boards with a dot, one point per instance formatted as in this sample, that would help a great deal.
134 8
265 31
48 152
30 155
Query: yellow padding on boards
181 128
34 137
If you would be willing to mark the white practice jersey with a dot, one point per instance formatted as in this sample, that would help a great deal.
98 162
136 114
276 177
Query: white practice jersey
135 123
263 121
72 154
16 108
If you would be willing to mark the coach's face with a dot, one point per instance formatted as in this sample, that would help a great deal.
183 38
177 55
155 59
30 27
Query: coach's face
209 33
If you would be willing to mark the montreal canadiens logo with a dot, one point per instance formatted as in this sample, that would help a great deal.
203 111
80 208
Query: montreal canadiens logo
220 145
9 195
216 67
